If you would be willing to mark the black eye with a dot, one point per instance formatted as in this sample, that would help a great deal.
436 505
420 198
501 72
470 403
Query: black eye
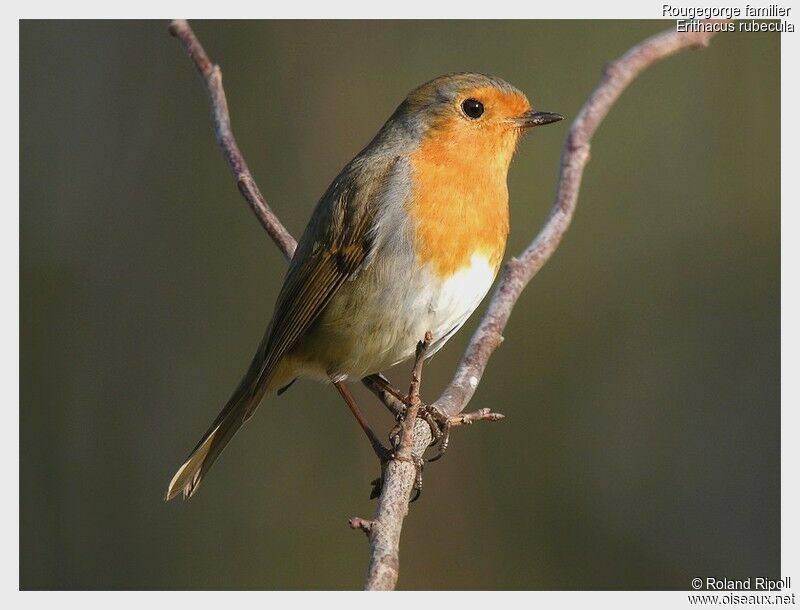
472 108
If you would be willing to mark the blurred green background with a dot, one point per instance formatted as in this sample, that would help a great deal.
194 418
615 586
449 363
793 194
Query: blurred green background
639 375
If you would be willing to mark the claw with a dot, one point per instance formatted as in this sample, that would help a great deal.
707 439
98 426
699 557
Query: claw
436 430
377 488
419 464
440 430
444 443
394 435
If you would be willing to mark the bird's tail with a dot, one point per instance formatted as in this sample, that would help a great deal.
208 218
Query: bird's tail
237 411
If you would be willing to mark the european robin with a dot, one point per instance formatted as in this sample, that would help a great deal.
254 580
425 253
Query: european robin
407 239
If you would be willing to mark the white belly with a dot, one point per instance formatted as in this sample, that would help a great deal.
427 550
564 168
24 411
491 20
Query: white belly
376 320
449 306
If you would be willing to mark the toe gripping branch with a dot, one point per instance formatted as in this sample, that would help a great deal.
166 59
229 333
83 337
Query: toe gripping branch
407 408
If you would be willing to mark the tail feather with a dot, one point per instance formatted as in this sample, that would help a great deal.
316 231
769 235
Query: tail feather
238 410
188 477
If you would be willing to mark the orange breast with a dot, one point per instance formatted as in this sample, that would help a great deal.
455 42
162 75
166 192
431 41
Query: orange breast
459 199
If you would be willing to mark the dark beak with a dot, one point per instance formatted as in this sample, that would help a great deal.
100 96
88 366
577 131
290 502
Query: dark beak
535 118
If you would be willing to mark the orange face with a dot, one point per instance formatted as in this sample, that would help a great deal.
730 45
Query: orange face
482 120
460 198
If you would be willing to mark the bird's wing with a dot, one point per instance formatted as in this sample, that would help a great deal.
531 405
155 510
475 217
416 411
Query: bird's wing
333 247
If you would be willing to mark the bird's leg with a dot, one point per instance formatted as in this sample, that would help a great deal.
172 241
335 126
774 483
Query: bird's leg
407 408
419 463
440 429
382 452
396 401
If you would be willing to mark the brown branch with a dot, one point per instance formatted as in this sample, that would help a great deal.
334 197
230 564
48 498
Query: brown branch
384 530
465 419
399 474
378 385
404 449
212 75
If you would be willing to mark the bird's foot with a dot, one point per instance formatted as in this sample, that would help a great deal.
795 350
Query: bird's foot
439 424
409 406
419 464
406 413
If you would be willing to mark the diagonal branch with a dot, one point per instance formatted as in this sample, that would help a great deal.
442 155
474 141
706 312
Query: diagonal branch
399 475
212 75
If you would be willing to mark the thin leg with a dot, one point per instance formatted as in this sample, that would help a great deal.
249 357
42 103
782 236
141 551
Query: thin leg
377 446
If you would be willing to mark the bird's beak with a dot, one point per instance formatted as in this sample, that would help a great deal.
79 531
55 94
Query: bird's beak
534 118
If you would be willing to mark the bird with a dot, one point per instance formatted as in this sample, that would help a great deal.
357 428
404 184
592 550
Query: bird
407 239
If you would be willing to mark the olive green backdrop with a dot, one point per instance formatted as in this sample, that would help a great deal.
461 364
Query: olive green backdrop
639 375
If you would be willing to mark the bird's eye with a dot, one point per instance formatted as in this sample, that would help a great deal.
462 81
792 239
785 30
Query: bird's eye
472 108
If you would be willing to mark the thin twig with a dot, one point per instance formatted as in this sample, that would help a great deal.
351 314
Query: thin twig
413 403
379 385
399 475
465 419
212 75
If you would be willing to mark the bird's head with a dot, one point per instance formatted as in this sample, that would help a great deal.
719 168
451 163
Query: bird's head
470 114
